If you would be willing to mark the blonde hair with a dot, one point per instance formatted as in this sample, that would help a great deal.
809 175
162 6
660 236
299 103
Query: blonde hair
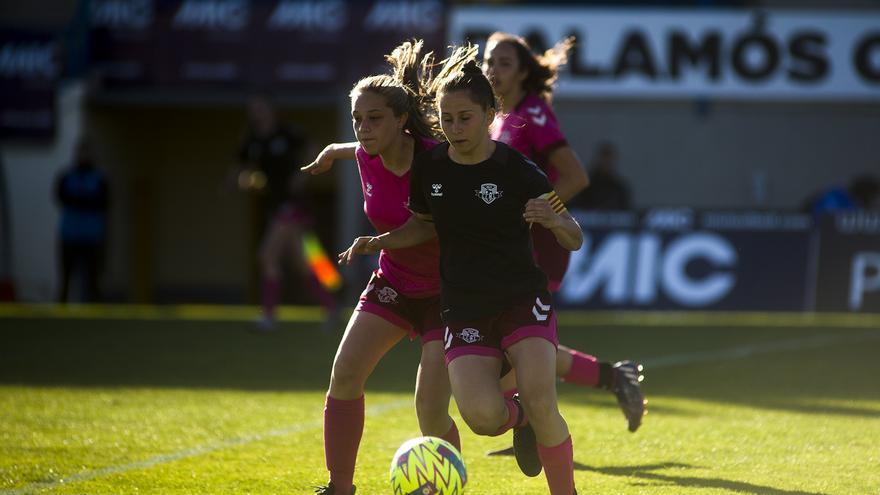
405 89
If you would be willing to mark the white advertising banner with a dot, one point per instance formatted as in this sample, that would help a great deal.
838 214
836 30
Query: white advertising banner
688 53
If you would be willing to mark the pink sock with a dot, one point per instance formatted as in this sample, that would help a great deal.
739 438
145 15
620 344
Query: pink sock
452 436
271 295
558 465
512 415
343 428
584 369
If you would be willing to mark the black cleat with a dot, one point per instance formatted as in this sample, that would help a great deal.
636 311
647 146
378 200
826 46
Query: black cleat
329 489
625 385
525 445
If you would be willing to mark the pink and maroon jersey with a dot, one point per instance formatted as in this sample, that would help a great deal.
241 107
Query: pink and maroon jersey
415 271
532 129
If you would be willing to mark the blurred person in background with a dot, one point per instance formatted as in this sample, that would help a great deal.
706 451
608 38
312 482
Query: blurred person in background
524 83
608 190
83 195
862 193
268 160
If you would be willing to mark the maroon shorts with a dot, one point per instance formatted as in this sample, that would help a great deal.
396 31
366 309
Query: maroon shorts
420 316
550 256
491 335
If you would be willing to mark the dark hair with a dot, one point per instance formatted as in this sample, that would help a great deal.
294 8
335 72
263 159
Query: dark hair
460 72
541 70
405 89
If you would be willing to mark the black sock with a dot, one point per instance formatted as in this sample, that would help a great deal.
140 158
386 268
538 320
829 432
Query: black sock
605 374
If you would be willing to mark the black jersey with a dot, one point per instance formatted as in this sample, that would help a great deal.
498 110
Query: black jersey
277 155
486 261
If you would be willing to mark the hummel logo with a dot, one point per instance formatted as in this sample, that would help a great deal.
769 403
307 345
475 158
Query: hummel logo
369 189
535 110
436 188
540 310
540 120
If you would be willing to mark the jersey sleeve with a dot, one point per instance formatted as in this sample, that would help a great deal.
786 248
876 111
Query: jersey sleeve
544 131
535 182
418 203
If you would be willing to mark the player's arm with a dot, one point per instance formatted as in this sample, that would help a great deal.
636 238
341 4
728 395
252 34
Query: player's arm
418 229
331 153
549 211
572 176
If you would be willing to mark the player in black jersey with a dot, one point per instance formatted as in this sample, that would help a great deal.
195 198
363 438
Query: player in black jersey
480 197
267 166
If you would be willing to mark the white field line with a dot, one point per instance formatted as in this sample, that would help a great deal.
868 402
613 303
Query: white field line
192 452
739 352
745 351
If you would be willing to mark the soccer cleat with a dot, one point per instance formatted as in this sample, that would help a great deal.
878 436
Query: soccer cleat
525 445
625 385
329 489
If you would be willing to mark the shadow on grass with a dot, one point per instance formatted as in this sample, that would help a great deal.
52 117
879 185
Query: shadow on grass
830 379
648 473
183 354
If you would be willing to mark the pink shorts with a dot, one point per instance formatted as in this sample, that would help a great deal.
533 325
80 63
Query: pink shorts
492 335
419 316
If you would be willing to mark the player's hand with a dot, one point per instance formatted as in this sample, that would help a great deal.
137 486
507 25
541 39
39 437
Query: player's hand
538 210
361 245
323 162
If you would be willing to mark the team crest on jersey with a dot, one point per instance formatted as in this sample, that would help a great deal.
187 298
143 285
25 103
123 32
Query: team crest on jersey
387 295
437 190
489 193
470 335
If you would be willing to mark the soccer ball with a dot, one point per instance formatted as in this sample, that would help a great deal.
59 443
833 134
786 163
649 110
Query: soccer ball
427 466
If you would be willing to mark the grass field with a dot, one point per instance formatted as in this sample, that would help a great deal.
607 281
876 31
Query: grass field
166 406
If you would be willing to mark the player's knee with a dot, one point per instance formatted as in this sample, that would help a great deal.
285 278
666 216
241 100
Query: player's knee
346 377
539 406
482 419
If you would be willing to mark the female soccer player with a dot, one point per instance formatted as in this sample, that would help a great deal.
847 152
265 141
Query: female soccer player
524 83
479 197
390 120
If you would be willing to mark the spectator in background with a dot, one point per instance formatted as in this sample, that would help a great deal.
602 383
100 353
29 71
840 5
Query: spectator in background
862 194
268 161
83 195
608 190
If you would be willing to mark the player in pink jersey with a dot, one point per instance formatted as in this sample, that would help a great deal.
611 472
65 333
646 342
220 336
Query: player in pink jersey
390 121
524 84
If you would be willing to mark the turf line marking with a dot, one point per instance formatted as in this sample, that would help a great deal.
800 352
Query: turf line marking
746 351
192 452
739 352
